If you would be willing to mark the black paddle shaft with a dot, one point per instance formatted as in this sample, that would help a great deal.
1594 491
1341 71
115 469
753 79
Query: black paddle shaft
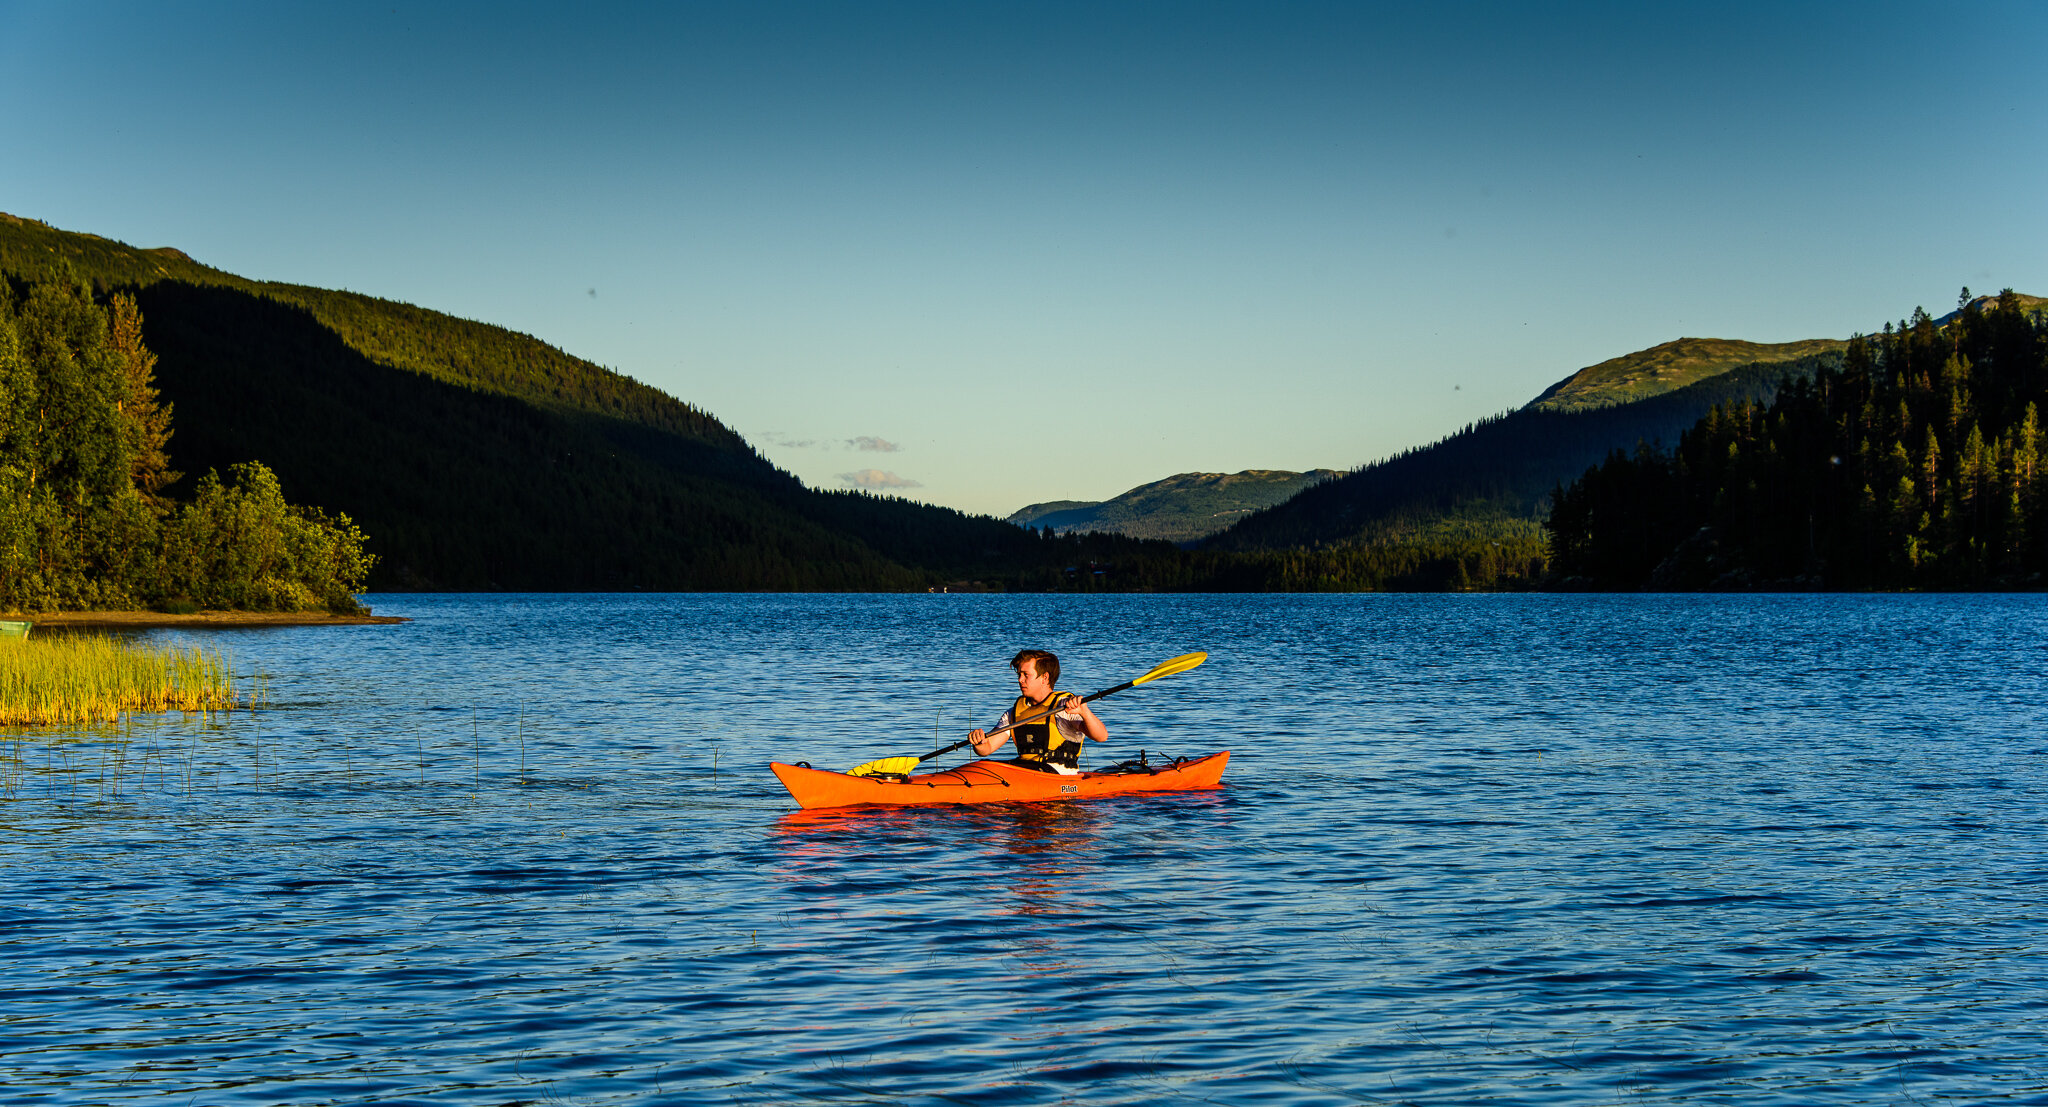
1015 723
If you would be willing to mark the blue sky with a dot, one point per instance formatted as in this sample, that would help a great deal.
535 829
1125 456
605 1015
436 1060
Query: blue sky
990 254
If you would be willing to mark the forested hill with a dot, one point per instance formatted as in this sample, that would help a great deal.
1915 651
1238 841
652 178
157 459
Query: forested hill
458 351
1915 464
1491 480
477 458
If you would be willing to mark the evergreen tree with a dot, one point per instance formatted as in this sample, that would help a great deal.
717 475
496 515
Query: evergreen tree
145 424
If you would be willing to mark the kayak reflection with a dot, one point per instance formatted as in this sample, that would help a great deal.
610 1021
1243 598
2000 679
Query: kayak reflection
1055 842
1022 828
1044 847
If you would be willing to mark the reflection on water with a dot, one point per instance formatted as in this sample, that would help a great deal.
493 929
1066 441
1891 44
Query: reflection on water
1054 845
1529 850
1049 846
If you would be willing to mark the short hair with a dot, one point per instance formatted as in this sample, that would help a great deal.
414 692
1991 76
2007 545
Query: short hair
1043 660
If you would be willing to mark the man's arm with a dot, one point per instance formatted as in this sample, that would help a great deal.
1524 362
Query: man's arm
985 745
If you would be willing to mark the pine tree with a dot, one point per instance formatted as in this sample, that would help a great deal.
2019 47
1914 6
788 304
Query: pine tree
145 424
1930 469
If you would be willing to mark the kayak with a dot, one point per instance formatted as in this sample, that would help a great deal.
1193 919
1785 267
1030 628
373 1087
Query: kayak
995 782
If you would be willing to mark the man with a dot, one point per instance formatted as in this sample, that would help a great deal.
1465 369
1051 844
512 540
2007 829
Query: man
1053 742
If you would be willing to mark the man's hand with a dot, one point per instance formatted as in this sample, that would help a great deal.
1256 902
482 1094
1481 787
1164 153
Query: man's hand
1073 708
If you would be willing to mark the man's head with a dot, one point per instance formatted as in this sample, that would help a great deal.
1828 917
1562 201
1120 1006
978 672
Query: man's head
1036 663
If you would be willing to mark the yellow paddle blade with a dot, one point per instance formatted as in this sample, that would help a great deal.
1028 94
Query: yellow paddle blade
1179 664
885 765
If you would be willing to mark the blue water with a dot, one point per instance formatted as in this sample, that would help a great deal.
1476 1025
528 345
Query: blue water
1503 849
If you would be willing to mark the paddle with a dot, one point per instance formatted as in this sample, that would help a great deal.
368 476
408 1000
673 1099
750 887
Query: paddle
1179 664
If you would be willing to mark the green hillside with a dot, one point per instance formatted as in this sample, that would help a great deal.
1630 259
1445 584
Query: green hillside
478 458
1667 368
1490 482
1181 508
462 352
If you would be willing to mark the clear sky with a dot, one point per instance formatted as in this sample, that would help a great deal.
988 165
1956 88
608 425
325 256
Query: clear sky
991 254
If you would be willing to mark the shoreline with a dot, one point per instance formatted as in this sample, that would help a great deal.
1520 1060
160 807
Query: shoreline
145 620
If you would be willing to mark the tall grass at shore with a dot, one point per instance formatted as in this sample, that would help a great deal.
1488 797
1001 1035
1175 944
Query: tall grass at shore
82 680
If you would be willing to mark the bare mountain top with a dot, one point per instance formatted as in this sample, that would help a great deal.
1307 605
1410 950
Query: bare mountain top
1667 367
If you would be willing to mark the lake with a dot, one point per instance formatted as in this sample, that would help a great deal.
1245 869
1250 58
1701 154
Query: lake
1516 849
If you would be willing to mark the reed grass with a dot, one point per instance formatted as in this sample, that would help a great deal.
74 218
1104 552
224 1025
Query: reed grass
84 680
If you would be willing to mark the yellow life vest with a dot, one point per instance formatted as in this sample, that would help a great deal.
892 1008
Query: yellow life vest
1041 741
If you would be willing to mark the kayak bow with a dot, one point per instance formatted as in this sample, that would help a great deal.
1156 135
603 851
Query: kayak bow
993 782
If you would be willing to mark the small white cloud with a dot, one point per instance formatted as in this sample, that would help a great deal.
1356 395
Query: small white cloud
878 478
777 438
873 445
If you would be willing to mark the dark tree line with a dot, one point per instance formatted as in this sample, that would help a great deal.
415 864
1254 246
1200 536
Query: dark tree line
1915 464
85 518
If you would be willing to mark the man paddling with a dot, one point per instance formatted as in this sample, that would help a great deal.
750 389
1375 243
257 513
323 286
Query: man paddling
1051 742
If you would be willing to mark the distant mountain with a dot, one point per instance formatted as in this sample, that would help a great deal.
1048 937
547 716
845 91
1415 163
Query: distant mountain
1667 368
1037 514
1181 508
1491 481
478 458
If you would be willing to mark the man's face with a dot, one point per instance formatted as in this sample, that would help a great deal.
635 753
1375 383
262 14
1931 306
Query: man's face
1031 683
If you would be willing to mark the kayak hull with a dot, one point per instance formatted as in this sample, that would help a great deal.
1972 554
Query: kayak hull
992 782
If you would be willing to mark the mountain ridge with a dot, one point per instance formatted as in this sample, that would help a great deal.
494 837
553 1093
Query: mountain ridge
1669 366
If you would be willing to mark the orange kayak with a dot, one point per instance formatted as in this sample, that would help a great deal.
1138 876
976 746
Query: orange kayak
994 782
